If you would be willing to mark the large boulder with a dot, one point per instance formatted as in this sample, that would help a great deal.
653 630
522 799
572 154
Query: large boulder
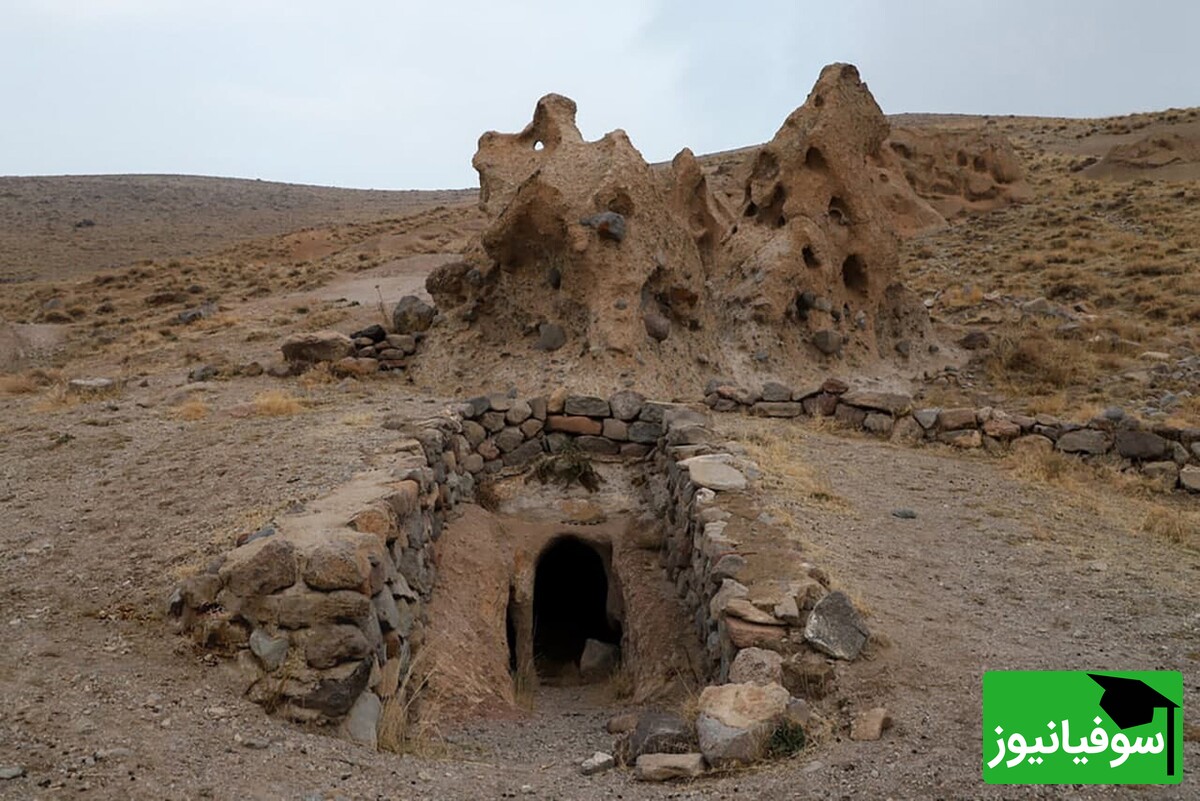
412 315
316 346
736 721
582 235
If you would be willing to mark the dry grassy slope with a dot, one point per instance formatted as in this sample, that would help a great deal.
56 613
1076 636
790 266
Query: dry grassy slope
1119 252
253 241
141 217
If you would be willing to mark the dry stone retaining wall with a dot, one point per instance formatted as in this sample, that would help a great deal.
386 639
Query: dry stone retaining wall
1167 455
501 432
325 609
761 608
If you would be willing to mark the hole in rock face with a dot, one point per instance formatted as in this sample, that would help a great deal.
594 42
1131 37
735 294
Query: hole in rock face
839 212
854 274
570 606
810 257
814 160
538 145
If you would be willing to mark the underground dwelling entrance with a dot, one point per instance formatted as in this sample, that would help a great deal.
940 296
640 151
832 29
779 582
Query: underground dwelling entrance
555 587
576 630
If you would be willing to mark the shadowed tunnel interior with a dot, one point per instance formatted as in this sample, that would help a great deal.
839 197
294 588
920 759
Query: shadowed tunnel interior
570 596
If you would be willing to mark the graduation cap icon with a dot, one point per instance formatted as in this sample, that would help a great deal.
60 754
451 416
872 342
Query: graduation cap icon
1132 702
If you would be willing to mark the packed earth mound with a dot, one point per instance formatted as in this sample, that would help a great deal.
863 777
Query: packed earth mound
966 170
593 262
1167 155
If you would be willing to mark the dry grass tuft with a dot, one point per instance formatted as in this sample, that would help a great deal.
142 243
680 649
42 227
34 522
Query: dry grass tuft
622 683
1047 467
276 403
318 375
60 396
18 384
1039 362
192 409
1097 478
1187 413
401 730
1173 524
784 469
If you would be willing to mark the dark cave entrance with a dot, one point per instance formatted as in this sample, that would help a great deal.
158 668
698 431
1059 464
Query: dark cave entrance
570 606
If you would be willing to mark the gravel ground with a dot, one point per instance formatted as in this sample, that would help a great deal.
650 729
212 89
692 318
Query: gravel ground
104 506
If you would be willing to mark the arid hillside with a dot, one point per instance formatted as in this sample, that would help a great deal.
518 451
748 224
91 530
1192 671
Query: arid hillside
150 424
69 226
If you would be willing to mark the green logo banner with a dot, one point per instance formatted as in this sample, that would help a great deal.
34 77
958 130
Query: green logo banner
1077 727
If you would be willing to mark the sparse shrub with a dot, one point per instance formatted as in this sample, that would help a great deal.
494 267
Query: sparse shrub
788 739
192 409
569 466
276 403
18 384
486 494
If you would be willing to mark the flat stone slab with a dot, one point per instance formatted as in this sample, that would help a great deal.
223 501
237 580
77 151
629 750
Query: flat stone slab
713 473
597 763
665 767
91 386
891 402
1085 440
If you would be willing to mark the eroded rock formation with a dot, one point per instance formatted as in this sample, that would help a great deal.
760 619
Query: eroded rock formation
598 264
813 258
581 233
1172 155
958 171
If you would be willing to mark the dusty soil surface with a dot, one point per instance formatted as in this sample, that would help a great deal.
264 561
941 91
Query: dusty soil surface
106 502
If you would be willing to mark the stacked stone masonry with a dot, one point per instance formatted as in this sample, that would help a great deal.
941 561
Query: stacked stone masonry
1168 456
325 609
741 574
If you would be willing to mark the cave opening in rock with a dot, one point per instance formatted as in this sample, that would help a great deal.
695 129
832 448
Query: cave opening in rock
570 606
854 274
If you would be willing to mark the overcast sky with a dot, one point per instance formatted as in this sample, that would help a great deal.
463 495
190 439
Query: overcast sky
394 95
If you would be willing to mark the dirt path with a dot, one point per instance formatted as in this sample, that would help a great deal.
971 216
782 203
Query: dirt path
98 700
